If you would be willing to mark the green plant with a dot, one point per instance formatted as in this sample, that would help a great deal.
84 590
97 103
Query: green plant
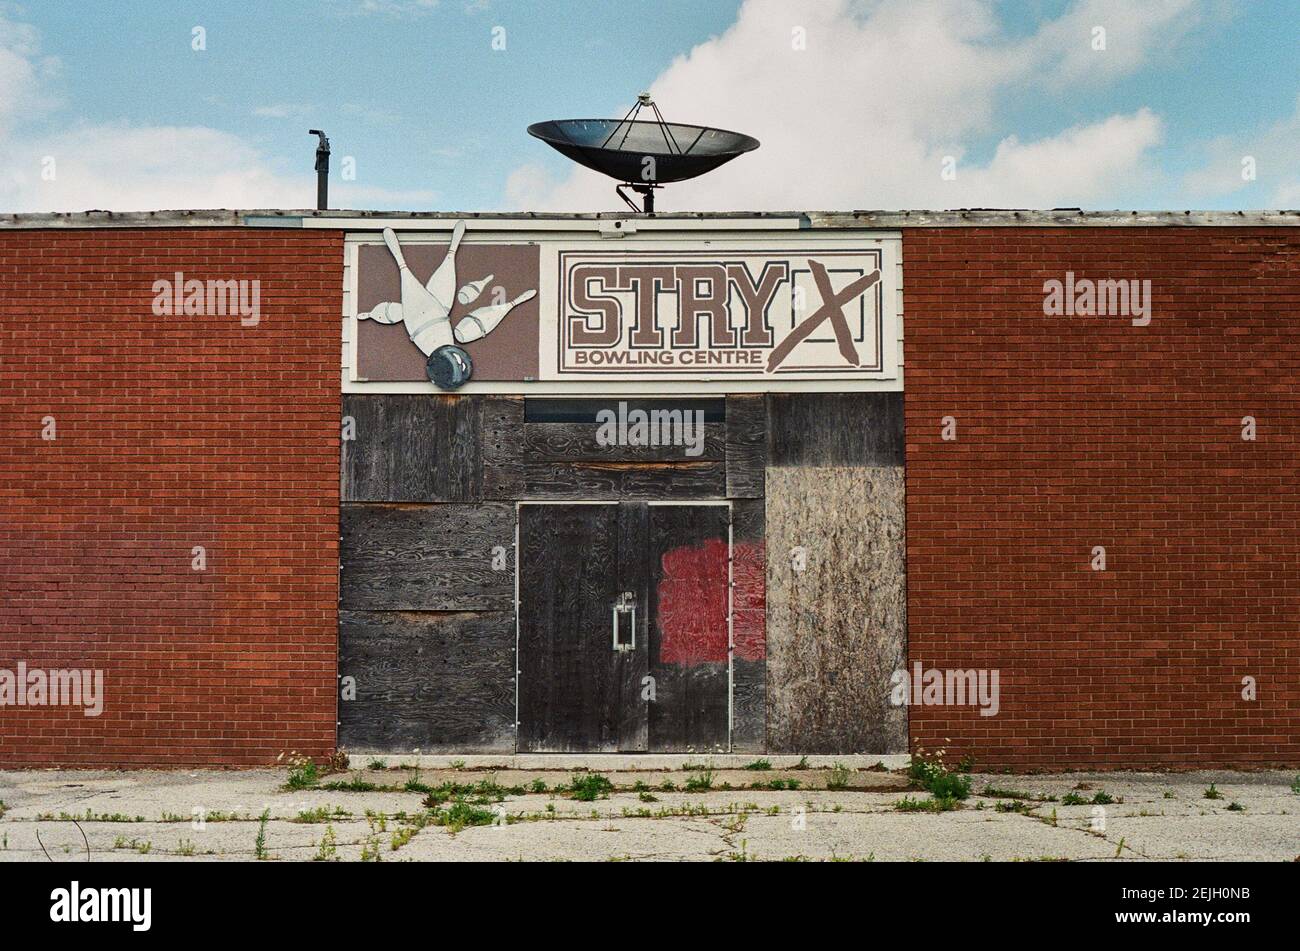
937 804
1295 788
802 764
701 780
1213 793
930 774
538 786
1013 805
995 793
457 764
461 814
2 806
588 787
259 844
767 764
648 797
376 764
303 772
1236 807
144 848
328 847
1073 799
184 847
839 777
1102 798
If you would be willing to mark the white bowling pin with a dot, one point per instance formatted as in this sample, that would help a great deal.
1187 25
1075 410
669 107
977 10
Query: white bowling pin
481 322
471 291
389 312
427 323
442 285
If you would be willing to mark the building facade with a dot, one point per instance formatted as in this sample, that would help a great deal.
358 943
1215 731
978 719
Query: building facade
1019 485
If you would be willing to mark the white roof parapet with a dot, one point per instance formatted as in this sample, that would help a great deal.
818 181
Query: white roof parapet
956 218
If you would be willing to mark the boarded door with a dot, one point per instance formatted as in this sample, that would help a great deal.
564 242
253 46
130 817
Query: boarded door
623 627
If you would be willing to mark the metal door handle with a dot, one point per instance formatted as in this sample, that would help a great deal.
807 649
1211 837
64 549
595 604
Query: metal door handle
625 606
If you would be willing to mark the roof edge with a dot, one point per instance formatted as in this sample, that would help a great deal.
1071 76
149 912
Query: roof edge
952 218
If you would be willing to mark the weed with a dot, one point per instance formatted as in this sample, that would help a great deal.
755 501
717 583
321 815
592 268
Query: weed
802 764
184 847
1102 798
538 786
700 781
321 814
355 784
376 764
767 764
457 764
259 844
1213 793
1235 807
648 797
303 771
995 793
461 814
667 786
588 787
1295 788
1073 799
144 848
839 777
929 773
328 848
937 804
1013 805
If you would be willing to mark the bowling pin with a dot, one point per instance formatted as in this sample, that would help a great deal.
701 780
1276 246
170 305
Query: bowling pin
427 323
389 312
481 322
443 283
471 291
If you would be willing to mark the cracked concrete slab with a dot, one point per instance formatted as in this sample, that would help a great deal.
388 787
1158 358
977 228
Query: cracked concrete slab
151 816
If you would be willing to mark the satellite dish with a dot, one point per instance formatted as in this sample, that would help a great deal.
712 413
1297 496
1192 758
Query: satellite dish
642 155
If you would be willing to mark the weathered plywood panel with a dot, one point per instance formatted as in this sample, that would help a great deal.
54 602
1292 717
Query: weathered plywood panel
748 626
412 448
835 429
427 557
837 630
687 555
614 480
429 681
746 446
571 680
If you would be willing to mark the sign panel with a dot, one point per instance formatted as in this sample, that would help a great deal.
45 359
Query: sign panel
490 311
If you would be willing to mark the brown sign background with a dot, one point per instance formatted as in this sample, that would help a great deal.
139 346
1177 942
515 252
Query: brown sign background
385 352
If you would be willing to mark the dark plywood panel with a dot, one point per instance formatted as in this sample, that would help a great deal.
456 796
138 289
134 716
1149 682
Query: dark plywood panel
837 630
500 443
631 716
570 681
688 563
600 480
749 626
436 682
413 448
427 557
835 429
746 446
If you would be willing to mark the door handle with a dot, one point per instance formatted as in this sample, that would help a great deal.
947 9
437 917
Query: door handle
624 622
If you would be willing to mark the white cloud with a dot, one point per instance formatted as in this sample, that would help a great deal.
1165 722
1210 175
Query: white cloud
1275 152
865 114
122 167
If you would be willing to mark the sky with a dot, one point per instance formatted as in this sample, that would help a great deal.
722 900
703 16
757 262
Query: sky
884 104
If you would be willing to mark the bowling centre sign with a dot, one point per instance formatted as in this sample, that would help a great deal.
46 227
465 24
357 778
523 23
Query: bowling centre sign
490 309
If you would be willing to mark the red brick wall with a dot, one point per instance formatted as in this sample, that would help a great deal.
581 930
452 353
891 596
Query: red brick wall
1082 431
172 432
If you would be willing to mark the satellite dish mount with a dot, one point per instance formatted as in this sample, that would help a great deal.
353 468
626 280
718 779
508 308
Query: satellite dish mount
642 154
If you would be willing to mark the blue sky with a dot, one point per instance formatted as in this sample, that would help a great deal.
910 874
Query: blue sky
865 115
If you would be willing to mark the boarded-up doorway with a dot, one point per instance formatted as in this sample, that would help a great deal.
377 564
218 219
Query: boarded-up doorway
624 630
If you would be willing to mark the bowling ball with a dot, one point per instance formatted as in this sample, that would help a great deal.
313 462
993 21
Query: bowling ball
449 367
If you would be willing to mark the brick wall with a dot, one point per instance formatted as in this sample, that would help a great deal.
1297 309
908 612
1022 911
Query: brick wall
172 432
1075 432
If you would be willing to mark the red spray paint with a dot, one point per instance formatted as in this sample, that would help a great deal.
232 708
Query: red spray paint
693 603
